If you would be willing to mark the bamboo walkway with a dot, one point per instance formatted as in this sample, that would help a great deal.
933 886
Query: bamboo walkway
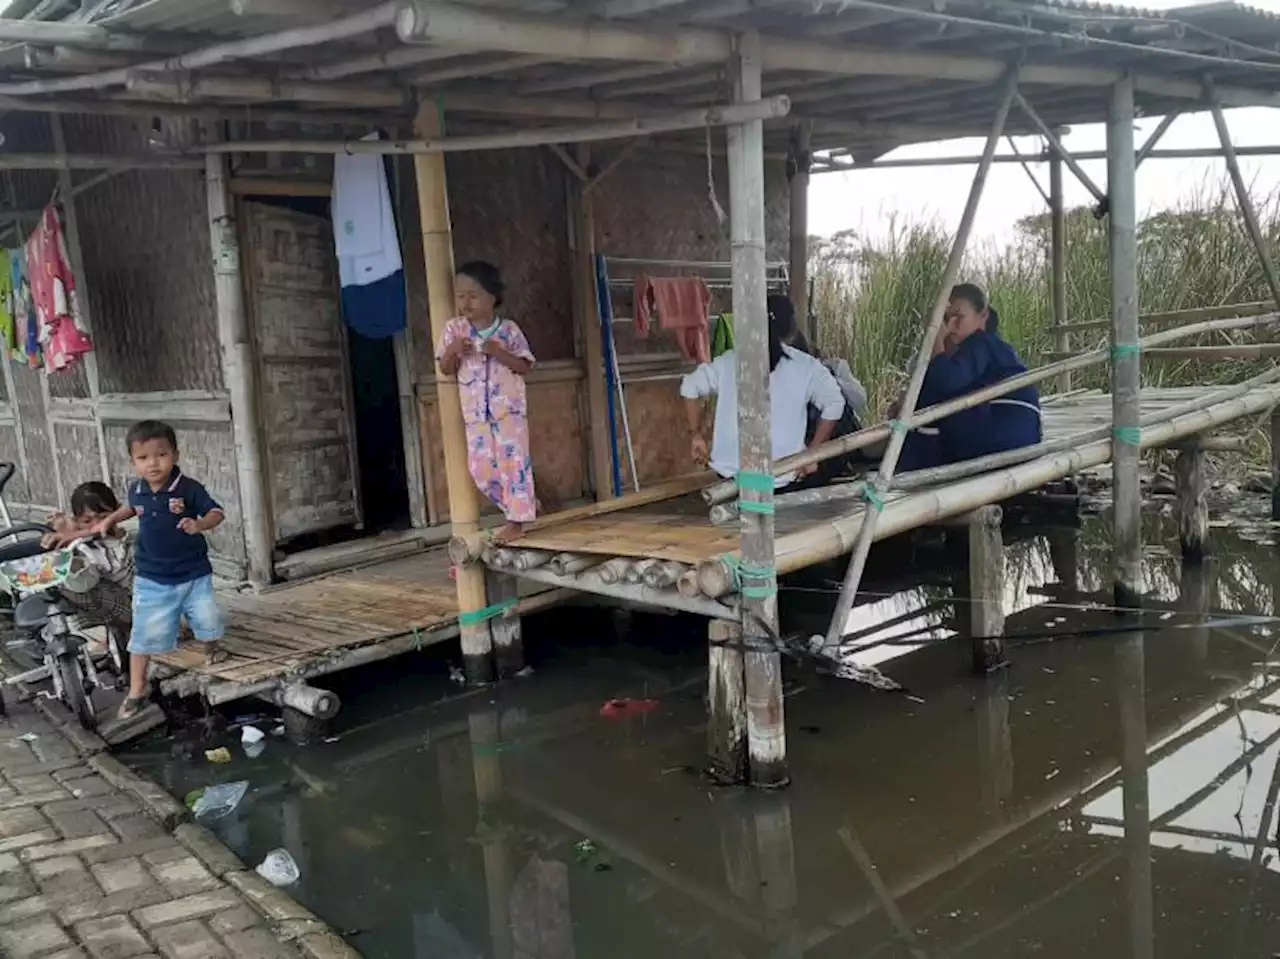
673 548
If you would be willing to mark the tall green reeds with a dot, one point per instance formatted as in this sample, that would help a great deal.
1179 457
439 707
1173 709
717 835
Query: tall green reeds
871 295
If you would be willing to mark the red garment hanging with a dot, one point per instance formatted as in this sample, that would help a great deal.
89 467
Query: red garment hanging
53 293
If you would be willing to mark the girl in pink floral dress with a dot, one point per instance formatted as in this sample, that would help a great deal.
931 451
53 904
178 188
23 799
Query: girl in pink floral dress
490 357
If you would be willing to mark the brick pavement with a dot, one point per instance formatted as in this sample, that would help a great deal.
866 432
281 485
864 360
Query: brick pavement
96 862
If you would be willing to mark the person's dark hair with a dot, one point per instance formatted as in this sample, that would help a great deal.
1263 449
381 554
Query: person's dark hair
782 323
487 276
149 430
93 497
973 294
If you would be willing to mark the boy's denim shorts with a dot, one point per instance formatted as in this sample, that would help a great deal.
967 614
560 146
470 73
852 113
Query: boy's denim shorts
159 608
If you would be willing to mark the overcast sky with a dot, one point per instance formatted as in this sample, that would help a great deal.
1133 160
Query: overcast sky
865 200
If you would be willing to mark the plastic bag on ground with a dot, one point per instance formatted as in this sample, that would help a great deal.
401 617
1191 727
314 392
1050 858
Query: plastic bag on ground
251 734
220 800
279 868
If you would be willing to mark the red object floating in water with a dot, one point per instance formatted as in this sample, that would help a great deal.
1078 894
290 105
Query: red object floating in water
453 572
618 708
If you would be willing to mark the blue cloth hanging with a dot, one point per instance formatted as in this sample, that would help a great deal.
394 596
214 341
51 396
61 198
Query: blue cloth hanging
376 310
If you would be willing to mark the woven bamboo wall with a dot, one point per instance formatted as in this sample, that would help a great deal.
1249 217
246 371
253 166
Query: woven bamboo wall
147 263
16 491
207 454
76 449
42 488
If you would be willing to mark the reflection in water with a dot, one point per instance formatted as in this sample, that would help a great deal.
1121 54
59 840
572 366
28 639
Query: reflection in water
986 818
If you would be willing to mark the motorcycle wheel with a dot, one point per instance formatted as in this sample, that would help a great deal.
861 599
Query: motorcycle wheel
73 690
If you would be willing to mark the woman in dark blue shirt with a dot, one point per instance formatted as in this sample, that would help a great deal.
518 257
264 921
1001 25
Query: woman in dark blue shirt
969 355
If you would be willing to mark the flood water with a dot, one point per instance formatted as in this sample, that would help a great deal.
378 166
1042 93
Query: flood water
1109 795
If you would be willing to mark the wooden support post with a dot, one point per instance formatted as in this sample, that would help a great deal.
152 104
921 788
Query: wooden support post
799 157
986 589
508 637
1260 242
776 854
240 373
582 235
1064 551
1191 505
485 732
726 703
1058 263
1275 463
766 729
464 498
1126 364
995 743
884 476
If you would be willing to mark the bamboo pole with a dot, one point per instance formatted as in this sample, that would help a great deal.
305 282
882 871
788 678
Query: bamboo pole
1059 150
1275 464
769 108
1126 362
450 24
240 372
726 702
1245 203
798 163
1161 129
1236 351
1135 793
1191 505
505 630
836 537
986 588
1058 263
667 489
464 499
636 593
829 164
367 21
587 315
725 490
98 161
265 89
766 727
858 561
1181 316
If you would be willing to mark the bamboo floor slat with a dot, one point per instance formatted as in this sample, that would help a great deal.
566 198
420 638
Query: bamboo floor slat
276 632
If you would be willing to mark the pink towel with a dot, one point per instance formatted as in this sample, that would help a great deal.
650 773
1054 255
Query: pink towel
683 304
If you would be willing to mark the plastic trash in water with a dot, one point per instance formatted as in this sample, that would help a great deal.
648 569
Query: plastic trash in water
254 749
220 800
252 734
279 868
220 755
620 708
28 737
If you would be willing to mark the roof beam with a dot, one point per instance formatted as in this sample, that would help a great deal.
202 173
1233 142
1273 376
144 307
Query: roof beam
206 111
448 24
265 89
52 33
718 116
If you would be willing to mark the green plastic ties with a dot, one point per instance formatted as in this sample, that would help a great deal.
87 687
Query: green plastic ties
751 506
475 617
1132 435
1121 350
755 482
743 571
873 498
899 427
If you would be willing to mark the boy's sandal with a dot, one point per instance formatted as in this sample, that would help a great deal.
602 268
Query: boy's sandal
214 654
130 707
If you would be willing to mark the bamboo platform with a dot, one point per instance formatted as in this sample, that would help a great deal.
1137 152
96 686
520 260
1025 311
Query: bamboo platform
672 549
314 627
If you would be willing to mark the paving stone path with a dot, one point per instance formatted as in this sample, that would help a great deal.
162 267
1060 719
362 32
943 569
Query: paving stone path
97 862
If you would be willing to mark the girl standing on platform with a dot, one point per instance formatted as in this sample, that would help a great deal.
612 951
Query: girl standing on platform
490 357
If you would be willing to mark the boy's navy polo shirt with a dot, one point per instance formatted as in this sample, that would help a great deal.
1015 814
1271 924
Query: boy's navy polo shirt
165 554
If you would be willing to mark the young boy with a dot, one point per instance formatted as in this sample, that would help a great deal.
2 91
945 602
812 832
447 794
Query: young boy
174 578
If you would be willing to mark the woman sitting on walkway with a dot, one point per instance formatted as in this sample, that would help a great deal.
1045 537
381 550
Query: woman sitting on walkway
967 356
796 380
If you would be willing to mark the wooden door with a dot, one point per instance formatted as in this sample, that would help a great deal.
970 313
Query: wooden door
301 349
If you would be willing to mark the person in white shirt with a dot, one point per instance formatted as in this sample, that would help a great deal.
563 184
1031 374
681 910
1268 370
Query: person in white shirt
796 380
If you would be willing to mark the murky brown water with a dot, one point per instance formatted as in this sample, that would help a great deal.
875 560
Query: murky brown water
1110 795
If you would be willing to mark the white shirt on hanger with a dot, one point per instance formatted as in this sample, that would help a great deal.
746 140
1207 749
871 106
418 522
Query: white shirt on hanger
364 225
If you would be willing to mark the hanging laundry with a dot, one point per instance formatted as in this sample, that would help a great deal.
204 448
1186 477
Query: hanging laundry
364 225
8 331
63 338
682 304
26 347
370 265
722 337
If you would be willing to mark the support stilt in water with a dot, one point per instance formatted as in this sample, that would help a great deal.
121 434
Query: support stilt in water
995 743
766 729
1191 505
301 729
726 702
986 589
1064 550
1126 363
464 501
508 638
1131 676
1275 463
